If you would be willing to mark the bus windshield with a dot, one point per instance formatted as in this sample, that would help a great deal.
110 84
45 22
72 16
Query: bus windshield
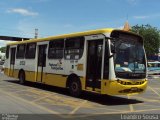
129 59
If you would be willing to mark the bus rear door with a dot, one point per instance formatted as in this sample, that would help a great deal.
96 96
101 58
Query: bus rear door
41 62
12 61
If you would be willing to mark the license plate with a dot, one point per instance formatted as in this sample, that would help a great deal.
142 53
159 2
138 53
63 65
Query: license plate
134 89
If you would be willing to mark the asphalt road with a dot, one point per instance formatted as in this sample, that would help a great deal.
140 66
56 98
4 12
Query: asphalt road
35 101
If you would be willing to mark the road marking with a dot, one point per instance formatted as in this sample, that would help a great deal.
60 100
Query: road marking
71 102
123 112
40 92
146 110
22 90
78 107
41 98
130 105
146 99
147 105
33 104
154 91
157 88
136 111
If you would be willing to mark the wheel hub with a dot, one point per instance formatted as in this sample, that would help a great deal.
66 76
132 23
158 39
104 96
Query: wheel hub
74 86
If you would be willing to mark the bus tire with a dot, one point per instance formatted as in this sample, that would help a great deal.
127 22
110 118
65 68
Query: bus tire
21 77
75 87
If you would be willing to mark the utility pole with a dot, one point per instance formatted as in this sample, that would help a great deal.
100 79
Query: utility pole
36 33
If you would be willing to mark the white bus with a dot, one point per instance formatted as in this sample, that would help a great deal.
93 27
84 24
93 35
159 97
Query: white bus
154 69
104 61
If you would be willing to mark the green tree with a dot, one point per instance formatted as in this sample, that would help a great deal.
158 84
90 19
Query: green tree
151 37
3 49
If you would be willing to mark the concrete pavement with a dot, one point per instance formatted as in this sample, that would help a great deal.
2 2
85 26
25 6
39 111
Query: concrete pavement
41 99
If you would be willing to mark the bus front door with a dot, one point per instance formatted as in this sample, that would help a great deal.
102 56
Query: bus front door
12 61
41 62
94 64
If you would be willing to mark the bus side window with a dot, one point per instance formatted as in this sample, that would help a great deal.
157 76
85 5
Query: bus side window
20 51
74 48
56 49
7 52
30 50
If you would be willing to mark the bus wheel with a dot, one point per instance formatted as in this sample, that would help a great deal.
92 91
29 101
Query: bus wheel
75 87
21 77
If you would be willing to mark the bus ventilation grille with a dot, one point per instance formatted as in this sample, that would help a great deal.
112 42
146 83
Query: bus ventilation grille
130 83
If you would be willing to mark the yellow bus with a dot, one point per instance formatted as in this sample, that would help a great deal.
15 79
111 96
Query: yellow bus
104 61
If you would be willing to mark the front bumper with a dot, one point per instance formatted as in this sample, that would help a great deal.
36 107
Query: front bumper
123 87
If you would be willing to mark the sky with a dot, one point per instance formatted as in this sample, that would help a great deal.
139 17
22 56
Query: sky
20 18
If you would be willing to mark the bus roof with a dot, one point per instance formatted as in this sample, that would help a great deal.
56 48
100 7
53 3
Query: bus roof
107 30
85 33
